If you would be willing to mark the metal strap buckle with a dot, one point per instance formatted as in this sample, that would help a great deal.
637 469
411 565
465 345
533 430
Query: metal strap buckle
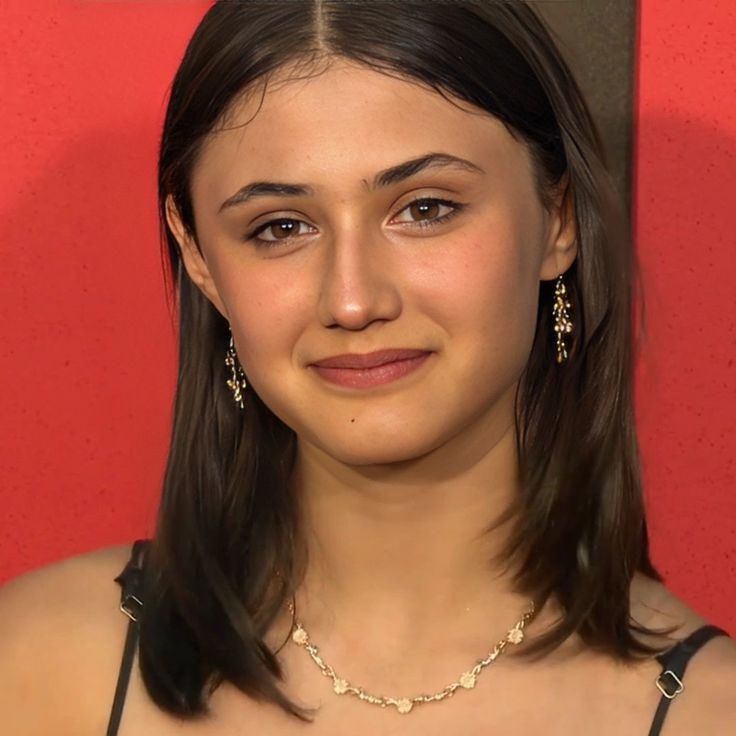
124 606
669 694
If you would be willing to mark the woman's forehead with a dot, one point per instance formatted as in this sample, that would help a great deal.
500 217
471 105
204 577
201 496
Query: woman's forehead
334 81
346 119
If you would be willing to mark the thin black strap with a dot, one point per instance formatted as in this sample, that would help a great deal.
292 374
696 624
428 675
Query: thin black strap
131 604
674 663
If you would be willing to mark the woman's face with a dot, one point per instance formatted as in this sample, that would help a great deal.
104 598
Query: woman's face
341 261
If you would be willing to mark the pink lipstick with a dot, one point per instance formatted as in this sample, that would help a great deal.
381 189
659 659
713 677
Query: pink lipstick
356 370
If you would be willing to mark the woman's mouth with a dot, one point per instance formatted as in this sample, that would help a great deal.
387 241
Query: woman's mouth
370 369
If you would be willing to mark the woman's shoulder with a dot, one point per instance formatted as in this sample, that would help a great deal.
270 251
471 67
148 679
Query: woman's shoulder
54 595
61 640
707 704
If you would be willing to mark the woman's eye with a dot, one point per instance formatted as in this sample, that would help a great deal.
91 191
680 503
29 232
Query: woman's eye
428 211
282 229
425 212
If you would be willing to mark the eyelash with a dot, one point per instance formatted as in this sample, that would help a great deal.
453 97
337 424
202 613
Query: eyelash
424 224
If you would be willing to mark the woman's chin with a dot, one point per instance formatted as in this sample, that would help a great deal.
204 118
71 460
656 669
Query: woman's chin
385 449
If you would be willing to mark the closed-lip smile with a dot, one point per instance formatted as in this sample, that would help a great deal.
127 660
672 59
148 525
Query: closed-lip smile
368 370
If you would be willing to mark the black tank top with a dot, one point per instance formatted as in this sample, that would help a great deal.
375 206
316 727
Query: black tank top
669 682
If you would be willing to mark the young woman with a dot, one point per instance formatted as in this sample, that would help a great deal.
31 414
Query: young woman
403 493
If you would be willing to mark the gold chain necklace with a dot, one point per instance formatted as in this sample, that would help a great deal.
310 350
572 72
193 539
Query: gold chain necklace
404 705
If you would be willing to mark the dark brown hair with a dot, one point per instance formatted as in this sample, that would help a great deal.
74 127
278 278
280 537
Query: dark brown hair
227 520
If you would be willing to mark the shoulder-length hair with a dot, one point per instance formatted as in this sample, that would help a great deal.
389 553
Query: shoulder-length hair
227 522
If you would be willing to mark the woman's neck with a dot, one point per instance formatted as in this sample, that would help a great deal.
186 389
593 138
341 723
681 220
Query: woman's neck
401 549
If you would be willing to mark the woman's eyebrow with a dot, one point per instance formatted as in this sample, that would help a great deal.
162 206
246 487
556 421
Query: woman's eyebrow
384 178
402 171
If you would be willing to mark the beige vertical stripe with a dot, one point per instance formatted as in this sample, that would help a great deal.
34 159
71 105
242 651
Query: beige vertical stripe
597 37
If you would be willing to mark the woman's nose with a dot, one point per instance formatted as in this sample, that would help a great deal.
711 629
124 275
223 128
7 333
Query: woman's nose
360 281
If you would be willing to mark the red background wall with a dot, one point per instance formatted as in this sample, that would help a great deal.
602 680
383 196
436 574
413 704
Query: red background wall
87 346
684 196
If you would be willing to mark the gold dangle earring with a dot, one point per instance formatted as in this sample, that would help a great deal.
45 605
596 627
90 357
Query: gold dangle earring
563 323
237 383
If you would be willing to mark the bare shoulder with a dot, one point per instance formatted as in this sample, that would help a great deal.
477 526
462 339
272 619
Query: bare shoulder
707 704
61 642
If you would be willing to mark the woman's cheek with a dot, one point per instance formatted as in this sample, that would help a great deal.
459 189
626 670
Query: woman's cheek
495 303
269 321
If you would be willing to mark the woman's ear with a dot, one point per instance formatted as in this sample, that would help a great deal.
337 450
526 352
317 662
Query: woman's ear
194 261
561 245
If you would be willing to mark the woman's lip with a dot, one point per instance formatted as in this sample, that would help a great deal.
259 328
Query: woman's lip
369 360
373 376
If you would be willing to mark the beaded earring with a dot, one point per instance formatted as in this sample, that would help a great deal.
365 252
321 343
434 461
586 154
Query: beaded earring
237 383
563 323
